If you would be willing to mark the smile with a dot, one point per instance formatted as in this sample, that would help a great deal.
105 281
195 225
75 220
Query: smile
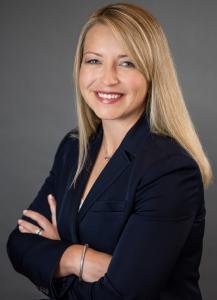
108 98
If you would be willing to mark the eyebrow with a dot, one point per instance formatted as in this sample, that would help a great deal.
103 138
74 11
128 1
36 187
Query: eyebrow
98 54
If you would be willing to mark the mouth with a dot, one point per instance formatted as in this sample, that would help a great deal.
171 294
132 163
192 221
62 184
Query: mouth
109 98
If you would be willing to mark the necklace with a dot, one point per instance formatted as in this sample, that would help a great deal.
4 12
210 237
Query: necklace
107 157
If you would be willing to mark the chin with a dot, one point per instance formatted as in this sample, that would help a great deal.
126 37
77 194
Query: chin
108 115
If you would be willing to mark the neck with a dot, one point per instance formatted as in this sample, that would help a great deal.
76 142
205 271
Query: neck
114 132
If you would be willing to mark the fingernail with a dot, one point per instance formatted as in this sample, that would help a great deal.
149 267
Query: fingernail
24 211
21 227
19 221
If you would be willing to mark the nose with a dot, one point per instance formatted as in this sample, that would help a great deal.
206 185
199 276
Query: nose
109 76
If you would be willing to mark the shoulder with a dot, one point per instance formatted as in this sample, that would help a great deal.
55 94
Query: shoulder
167 146
69 139
163 148
68 145
163 155
171 180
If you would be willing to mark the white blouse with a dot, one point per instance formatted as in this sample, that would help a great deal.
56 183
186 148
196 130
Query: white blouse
82 201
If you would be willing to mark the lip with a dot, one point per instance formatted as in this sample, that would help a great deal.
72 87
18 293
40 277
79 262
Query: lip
109 101
112 93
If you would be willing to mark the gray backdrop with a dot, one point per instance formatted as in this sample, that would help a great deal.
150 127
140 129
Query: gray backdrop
38 40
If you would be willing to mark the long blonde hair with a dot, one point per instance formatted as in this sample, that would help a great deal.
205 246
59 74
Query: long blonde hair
143 36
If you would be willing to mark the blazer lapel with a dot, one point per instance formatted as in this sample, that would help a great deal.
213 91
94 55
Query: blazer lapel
71 199
110 173
116 165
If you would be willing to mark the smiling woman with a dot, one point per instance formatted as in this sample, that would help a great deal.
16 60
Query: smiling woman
112 79
127 182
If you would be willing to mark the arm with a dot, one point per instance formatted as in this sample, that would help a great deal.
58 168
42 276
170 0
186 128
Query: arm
96 262
153 238
46 260
35 256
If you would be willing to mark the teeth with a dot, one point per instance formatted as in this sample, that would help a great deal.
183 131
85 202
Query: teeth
109 96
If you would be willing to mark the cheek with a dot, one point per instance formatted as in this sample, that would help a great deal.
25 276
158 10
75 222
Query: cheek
138 86
86 78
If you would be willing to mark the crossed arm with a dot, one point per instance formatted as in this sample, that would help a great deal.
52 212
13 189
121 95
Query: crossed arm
162 220
50 263
166 203
95 263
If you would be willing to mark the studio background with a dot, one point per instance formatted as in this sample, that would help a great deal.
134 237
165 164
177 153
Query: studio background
38 40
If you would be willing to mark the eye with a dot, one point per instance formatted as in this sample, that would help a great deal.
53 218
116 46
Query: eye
91 61
129 64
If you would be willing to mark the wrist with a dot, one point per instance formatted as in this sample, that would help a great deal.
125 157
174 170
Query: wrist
70 261
85 247
74 263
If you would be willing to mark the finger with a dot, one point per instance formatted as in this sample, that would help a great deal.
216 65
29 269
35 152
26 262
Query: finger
23 229
40 219
52 203
27 227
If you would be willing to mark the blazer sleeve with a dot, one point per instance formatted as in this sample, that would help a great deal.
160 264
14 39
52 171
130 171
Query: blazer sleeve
32 255
167 200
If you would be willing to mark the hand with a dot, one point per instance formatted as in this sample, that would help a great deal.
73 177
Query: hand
49 229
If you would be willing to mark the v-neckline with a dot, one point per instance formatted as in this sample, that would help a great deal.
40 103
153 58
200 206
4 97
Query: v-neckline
89 173
95 146
117 162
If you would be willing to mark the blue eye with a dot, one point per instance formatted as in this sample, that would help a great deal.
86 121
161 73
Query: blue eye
130 64
94 61
90 61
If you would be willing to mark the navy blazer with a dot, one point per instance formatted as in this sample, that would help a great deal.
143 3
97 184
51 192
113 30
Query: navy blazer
146 209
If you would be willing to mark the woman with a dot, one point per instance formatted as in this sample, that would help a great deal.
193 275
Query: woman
121 214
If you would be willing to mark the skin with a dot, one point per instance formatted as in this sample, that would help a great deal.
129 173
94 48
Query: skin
111 73
96 263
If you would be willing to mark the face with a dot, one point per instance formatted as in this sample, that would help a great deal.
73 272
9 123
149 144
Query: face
110 83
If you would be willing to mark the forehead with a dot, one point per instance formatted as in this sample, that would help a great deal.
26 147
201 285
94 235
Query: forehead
101 37
98 31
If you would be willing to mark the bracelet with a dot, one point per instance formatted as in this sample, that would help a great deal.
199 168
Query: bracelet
82 261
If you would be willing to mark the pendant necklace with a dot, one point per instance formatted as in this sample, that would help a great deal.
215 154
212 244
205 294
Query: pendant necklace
107 157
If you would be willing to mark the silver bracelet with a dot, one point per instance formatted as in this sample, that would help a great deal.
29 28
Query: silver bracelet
82 261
